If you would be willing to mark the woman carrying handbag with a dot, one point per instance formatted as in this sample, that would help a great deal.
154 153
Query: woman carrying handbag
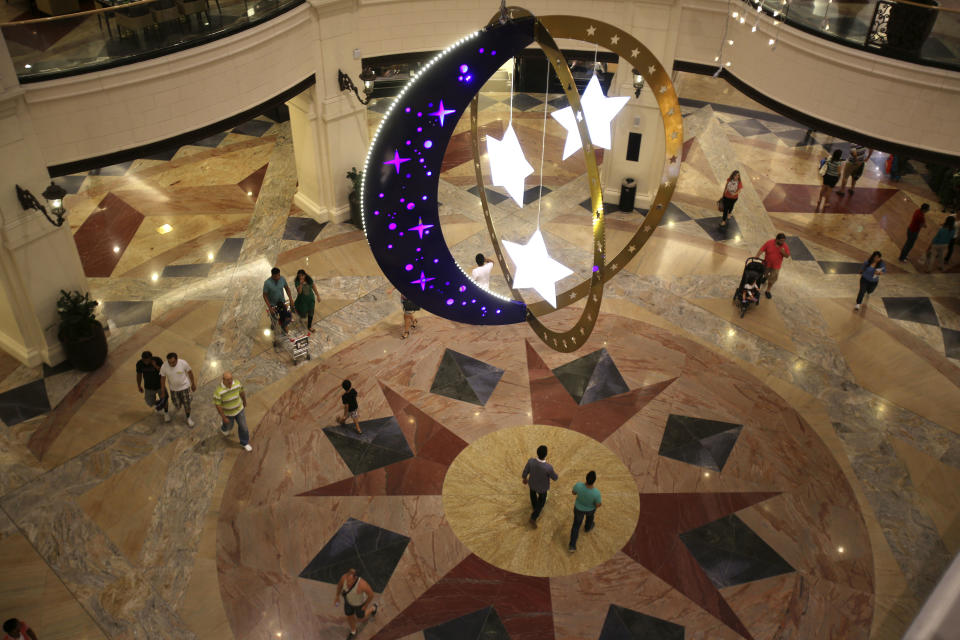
730 193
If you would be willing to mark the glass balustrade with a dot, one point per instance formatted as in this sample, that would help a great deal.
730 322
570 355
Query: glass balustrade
54 38
921 31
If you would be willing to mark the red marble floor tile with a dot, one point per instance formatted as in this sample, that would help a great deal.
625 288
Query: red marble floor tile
253 182
655 543
687 145
410 477
552 404
113 224
802 198
428 439
522 602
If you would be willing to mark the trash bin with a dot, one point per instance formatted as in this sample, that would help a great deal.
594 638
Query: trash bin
628 194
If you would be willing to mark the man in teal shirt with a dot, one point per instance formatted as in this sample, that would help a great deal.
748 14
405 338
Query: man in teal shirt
585 506
273 288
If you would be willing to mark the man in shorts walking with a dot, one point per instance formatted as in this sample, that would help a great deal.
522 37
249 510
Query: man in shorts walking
148 381
231 401
350 407
774 251
177 374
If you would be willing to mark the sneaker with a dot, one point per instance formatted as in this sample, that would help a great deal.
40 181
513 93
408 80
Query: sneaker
572 549
166 416
768 294
902 259
247 447
588 529
224 432
856 307
533 523
190 421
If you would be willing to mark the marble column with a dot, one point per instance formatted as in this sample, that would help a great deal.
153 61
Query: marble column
37 259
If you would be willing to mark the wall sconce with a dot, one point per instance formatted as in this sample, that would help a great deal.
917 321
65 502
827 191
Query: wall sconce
367 76
53 194
637 83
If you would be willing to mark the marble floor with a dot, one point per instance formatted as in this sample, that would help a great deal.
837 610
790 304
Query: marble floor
792 473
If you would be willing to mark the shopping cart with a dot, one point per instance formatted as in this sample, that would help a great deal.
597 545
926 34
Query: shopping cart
294 338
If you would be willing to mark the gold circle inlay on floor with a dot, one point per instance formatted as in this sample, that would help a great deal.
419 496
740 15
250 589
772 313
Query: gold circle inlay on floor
489 509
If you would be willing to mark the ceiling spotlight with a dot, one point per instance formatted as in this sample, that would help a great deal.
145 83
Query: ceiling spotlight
754 29
727 64
742 19
771 41
730 42
734 14
716 59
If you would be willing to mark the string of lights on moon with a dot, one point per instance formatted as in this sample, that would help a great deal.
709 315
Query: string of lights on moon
401 176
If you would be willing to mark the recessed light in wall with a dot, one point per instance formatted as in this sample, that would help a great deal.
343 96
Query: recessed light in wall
734 14
727 64
28 66
249 193
730 42
164 228
753 29
154 276
742 19
210 256
266 332
716 59
771 41
840 549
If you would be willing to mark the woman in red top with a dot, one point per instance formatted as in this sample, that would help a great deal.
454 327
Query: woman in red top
730 193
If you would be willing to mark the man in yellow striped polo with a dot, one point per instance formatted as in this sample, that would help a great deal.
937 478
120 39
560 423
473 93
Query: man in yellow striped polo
230 401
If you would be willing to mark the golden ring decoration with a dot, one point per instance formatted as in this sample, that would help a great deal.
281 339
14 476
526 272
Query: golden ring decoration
600 34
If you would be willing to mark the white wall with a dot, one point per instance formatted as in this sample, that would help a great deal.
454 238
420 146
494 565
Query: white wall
98 113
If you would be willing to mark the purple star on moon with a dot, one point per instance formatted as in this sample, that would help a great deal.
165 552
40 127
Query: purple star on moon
420 228
422 281
397 160
442 113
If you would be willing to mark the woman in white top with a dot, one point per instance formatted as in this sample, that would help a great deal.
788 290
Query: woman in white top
357 598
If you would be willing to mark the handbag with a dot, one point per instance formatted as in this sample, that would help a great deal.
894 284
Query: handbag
720 205
823 167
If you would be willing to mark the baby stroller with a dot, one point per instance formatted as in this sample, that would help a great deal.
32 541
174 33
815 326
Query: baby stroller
752 274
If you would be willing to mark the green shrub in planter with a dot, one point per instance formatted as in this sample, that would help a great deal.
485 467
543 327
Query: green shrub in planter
82 336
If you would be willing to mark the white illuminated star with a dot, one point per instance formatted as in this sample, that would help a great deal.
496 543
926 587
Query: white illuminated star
599 111
535 268
508 167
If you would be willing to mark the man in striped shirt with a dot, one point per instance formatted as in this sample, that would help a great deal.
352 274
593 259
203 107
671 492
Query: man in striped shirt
230 401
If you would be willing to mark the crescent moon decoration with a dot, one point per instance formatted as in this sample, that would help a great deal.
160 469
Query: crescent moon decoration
401 175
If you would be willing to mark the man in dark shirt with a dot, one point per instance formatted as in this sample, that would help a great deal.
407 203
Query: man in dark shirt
148 381
350 406
539 472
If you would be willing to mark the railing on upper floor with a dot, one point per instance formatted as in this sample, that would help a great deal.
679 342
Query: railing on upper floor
922 31
119 32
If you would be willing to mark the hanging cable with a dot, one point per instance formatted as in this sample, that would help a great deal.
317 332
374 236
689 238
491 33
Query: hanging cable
543 140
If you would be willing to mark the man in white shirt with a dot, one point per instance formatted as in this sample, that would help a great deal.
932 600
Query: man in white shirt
179 376
481 274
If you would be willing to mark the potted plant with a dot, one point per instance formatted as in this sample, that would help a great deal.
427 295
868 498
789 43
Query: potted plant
82 336
356 179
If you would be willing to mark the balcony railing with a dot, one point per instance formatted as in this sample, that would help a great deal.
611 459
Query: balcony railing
921 31
110 33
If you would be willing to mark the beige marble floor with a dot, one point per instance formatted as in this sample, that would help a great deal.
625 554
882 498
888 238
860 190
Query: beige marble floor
114 516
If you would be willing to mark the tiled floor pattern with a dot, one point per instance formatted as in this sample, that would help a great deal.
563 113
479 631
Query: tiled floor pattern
83 459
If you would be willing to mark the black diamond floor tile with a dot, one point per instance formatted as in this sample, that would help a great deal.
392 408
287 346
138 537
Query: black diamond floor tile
382 443
608 207
127 312
374 553
229 251
673 214
716 232
303 229
483 624
201 270
24 402
912 309
751 127
60 368
253 128
71 184
532 194
464 378
210 141
951 342
700 442
842 268
493 197
559 103
626 624
485 101
798 250
730 553
591 377
525 102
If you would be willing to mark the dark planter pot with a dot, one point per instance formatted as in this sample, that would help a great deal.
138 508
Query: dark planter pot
354 201
87 354
909 27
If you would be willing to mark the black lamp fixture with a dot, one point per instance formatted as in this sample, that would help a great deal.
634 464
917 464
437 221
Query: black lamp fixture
637 83
367 76
53 194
